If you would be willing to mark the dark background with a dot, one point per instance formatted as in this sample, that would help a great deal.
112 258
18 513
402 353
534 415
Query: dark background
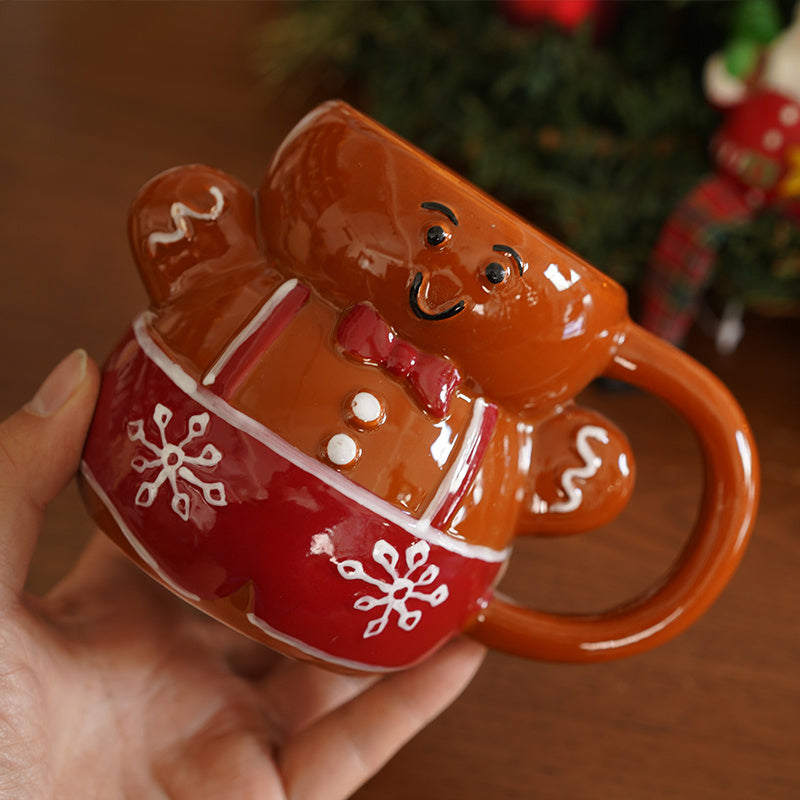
97 98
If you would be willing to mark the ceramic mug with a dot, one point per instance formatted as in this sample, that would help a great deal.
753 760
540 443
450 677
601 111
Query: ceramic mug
354 388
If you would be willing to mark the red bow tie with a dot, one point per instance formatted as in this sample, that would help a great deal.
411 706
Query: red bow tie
363 334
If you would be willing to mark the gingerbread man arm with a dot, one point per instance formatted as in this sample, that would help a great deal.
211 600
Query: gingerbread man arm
193 235
185 218
582 474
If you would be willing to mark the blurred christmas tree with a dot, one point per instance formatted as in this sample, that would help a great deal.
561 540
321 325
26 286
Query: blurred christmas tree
592 125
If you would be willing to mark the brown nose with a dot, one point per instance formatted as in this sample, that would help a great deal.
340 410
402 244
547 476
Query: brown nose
417 298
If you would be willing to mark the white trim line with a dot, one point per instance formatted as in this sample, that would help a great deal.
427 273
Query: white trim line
260 317
179 213
132 540
193 598
591 463
315 652
458 471
422 528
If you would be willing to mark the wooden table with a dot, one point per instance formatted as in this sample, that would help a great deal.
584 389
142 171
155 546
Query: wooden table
97 98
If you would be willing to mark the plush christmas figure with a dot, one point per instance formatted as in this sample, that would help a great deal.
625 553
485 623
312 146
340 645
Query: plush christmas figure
756 153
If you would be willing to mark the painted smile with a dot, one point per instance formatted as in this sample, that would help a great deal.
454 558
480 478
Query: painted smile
413 299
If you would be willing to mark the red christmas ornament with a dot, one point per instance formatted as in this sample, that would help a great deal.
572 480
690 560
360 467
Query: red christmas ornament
566 14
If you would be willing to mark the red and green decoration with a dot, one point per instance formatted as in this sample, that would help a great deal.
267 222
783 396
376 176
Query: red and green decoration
589 118
755 81
569 15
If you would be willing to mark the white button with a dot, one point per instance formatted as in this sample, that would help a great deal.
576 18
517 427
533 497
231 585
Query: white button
773 139
342 450
789 115
366 408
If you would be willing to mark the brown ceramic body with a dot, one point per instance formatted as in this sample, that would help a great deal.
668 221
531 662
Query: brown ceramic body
352 228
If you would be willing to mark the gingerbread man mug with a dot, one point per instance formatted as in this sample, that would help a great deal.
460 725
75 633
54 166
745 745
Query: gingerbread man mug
355 387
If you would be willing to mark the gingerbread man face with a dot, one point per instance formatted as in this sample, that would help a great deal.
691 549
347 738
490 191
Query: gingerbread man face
364 217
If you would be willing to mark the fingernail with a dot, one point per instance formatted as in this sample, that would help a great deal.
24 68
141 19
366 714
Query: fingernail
59 385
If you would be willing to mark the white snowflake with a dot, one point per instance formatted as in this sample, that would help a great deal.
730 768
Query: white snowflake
172 459
399 589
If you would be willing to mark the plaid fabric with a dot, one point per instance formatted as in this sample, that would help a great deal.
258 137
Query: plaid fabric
682 262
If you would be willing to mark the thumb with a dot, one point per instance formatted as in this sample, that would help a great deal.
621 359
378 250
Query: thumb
40 450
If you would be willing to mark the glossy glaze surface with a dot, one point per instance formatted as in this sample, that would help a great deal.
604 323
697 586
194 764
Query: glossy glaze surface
361 379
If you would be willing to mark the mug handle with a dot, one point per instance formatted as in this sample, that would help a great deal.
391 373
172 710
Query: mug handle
708 559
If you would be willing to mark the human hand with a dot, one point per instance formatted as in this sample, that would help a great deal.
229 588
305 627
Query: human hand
110 687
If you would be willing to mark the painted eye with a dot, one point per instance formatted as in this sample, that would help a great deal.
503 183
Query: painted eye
495 272
436 235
